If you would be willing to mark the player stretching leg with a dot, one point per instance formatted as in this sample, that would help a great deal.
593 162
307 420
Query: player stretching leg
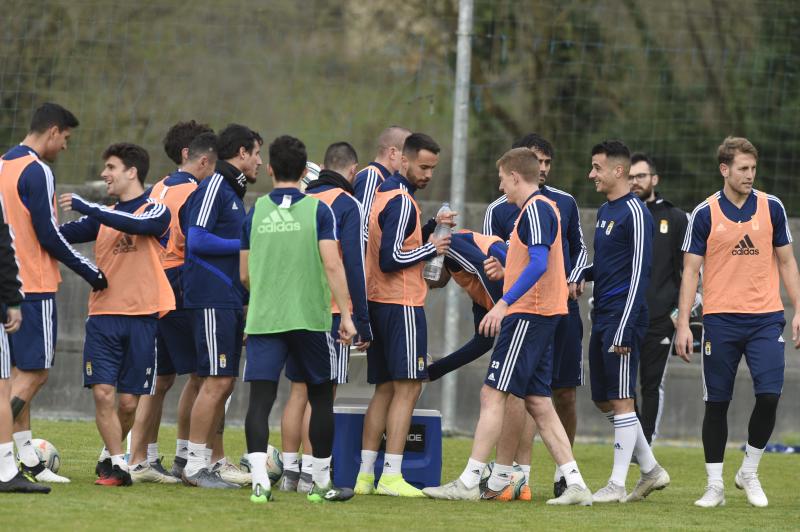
214 293
291 273
621 271
176 352
397 356
535 295
119 353
740 237
12 480
333 186
27 186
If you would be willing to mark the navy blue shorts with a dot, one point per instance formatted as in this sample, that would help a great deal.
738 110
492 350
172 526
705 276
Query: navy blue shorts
176 348
727 337
33 346
399 347
567 350
309 356
342 352
522 360
121 351
218 335
613 376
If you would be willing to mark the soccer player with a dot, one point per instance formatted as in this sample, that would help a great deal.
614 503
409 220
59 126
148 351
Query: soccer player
333 187
662 293
213 291
27 185
387 161
740 237
119 353
197 154
623 240
290 259
517 439
398 245
12 480
464 262
535 295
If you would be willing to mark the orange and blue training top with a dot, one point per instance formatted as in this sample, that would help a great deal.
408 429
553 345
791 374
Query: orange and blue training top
27 186
127 248
464 260
740 272
365 183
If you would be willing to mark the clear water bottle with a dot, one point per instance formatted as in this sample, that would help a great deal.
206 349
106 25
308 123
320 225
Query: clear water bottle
433 267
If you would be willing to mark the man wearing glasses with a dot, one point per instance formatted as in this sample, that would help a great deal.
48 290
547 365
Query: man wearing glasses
662 295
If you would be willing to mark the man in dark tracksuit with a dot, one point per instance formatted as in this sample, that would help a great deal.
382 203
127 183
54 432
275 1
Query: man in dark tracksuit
662 295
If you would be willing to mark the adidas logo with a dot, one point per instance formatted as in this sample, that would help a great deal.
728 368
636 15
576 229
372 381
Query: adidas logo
745 247
573 472
27 443
618 446
279 221
125 245
235 208
476 471
386 464
491 377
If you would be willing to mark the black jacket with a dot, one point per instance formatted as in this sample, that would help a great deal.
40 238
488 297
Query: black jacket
10 284
670 224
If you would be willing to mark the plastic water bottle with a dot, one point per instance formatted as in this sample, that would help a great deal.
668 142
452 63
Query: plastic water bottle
433 267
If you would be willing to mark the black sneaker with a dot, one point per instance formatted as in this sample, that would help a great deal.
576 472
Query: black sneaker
117 477
31 471
22 483
158 466
329 493
103 468
559 487
177 467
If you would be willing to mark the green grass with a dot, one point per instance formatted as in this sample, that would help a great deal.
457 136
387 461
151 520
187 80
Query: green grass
83 506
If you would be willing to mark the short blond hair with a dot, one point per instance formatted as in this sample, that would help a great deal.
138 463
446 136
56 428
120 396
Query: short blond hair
733 145
522 161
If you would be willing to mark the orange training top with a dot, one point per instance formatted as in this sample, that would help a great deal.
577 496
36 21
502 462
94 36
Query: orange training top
37 268
471 284
328 197
740 274
548 297
401 287
137 284
174 197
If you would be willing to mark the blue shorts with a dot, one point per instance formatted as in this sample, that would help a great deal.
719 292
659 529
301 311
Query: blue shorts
33 346
121 351
176 348
399 347
342 352
522 360
5 355
567 350
309 356
218 334
613 376
726 337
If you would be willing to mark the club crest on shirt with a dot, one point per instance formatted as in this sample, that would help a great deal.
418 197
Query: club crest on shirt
707 348
223 360
609 227
664 227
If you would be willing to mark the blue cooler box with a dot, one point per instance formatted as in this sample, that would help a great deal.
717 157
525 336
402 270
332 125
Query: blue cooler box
422 460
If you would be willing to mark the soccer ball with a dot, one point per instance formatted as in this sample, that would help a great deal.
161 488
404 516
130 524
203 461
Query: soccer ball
517 478
274 464
48 454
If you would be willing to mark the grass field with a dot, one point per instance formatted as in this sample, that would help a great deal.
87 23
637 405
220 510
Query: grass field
84 506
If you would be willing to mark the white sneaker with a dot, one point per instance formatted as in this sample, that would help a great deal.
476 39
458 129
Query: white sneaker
231 473
657 479
713 496
144 472
573 495
453 491
48 476
752 487
609 493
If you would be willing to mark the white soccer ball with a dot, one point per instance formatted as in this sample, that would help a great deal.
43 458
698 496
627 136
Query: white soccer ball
48 454
274 464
